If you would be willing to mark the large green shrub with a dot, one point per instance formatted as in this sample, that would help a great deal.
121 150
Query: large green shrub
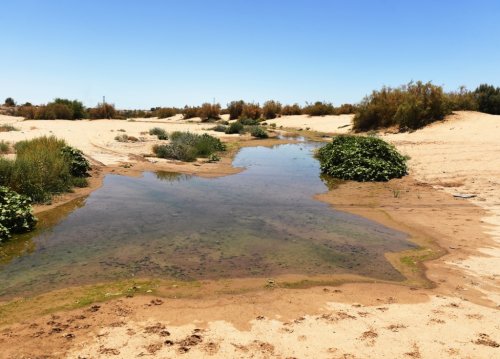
488 99
42 167
16 214
258 131
235 127
361 159
408 107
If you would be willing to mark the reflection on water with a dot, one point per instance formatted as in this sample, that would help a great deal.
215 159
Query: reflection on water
260 222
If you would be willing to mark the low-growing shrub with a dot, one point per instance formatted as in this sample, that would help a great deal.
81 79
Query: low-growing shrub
187 146
43 166
121 138
258 131
248 121
219 128
4 147
165 112
271 109
8 128
235 127
16 214
159 132
235 109
209 112
361 159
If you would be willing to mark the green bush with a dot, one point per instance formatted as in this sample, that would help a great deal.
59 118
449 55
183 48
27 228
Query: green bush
219 128
42 167
235 109
4 147
78 164
187 146
209 112
258 131
235 127
462 100
159 132
319 109
408 107
16 214
488 99
361 159
291 110
271 109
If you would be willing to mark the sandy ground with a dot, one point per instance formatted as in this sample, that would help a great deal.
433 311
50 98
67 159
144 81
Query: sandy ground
328 124
458 318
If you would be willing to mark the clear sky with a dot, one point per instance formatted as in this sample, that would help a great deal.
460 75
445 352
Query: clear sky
148 53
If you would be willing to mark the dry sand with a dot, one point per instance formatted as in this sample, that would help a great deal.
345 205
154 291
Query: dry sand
459 318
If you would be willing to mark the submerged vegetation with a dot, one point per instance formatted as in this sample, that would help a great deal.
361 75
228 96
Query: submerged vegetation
361 159
187 146
43 166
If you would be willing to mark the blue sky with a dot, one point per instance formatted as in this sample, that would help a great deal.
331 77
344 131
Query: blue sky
148 53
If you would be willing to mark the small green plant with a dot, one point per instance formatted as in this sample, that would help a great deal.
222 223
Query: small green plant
16 214
361 159
259 132
235 127
4 147
272 125
8 128
186 146
159 132
219 128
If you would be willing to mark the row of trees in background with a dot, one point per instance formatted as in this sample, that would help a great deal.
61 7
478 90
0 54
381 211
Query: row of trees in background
409 106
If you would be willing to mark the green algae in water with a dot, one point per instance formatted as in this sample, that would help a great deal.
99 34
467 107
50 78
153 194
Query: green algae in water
260 222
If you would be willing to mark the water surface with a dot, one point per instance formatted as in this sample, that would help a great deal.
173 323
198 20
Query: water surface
260 222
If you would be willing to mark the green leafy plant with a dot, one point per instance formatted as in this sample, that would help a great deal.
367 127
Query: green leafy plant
258 131
78 164
159 132
291 110
235 127
16 214
361 159
187 146
319 109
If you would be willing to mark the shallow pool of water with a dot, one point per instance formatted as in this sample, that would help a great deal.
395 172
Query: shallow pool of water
258 223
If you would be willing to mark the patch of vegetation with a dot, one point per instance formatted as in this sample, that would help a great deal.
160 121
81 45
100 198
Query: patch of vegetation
16 214
103 111
9 102
8 128
159 132
319 109
251 111
190 112
4 147
291 110
488 99
187 146
409 107
235 127
271 109
209 112
462 100
165 112
235 109
43 166
219 128
258 131
361 159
